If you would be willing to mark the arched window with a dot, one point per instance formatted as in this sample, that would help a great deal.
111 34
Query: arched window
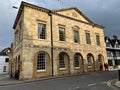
41 59
89 60
62 60
77 60
100 59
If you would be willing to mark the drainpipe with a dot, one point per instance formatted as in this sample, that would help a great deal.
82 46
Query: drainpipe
50 14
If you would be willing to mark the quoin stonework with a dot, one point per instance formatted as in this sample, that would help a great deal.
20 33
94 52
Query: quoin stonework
56 42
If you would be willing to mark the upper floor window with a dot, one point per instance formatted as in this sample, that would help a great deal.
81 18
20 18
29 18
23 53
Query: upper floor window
108 43
41 31
76 36
109 54
117 45
6 59
88 38
98 40
62 34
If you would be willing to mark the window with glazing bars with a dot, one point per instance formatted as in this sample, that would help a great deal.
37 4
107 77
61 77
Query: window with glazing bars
98 40
88 38
62 34
41 61
76 36
89 59
41 31
62 60
77 60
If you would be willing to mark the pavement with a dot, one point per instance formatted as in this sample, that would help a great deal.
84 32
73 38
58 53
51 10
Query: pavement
115 83
6 80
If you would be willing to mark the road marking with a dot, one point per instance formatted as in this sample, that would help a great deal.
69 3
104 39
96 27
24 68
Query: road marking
75 88
103 82
92 84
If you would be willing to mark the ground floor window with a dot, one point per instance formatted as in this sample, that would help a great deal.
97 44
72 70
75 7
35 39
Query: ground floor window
5 69
41 58
77 60
89 60
62 60
100 59
110 62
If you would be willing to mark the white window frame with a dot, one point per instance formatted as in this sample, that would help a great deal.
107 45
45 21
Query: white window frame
88 40
41 28
78 57
62 35
98 40
76 37
89 57
39 70
64 60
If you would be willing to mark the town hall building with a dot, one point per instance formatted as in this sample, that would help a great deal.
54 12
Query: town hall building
56 42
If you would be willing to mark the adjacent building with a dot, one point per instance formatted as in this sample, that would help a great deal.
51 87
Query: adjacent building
4 61
113 51
56 42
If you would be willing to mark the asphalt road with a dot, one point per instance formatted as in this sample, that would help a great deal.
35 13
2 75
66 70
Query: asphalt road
91 81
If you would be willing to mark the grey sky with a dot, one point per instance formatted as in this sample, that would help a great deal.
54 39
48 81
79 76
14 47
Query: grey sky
103 12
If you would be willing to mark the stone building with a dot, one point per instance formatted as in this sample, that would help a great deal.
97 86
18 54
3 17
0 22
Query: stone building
56 42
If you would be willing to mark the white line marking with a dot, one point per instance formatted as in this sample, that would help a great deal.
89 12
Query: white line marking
75 88
103 82
92 84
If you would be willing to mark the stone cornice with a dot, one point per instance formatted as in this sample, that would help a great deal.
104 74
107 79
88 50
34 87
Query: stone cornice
24 4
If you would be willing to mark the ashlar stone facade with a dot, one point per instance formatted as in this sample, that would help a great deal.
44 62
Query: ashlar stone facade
71 43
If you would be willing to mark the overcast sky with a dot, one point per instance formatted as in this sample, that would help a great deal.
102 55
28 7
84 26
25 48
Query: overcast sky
102 12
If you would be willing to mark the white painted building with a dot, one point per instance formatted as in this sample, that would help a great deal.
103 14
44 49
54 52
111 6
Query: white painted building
4 64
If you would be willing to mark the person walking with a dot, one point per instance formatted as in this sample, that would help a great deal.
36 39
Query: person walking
105 66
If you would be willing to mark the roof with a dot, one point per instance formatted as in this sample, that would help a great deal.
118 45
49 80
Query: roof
5 51
70 8
52 11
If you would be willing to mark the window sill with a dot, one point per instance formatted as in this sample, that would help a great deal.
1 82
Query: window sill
62 69
89 66
41 70
77 67
41 39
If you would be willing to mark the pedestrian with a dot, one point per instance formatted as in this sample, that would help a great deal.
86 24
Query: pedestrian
101 67
105 66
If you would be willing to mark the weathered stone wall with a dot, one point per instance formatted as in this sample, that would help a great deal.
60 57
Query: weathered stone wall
30 45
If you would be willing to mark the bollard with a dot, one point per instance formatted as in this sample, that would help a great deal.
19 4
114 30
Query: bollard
119 74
